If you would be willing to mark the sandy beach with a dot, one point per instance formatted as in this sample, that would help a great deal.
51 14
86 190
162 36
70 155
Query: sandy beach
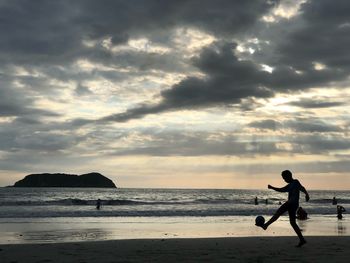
242 249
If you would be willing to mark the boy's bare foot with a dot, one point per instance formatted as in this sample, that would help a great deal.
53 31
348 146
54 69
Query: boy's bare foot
262 226
301 243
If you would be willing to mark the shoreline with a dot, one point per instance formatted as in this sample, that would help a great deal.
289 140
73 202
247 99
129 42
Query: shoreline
231 249
54 230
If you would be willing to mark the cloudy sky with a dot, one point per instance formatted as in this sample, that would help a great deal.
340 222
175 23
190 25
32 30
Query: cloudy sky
185 93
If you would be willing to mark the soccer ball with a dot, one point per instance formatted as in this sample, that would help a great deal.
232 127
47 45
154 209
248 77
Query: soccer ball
259 221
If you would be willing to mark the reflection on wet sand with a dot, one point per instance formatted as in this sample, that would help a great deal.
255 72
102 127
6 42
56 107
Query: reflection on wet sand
63 235
302 225
341 228
93 229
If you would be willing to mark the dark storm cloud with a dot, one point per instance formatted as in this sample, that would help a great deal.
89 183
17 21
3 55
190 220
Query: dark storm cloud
324 37
113 17
321 37
319 167
48 36
16 102
195 144
143 61
82 90
299 125
265 124
37 85
223 144
319 144
27 120
228 80
26 133
37 32
312 125
340 166
29 161
45 141
131 114
315 103
52 32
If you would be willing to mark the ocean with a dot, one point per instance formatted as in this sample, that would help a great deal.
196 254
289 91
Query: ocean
81 202
41 215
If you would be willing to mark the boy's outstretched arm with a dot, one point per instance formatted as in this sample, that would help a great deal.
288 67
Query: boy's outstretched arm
307 197
282 189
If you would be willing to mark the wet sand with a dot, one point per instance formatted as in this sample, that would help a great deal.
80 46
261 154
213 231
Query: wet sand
59 230
233 249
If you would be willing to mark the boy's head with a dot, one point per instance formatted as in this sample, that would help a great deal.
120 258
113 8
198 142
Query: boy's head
287 176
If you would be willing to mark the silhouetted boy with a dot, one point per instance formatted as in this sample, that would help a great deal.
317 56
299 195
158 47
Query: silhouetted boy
293 188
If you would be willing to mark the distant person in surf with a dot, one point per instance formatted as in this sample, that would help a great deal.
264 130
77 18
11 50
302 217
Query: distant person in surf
256 200
98 204
340 211
293 188
301 214
334 201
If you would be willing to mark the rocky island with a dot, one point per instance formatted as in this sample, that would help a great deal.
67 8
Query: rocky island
65 180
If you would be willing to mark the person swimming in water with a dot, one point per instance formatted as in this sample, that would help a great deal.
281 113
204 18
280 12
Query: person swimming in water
293 188
98 204
334 201
301 214
340 211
